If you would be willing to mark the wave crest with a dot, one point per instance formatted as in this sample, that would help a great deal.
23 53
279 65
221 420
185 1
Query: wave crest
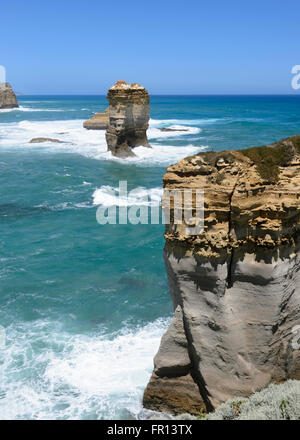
109 196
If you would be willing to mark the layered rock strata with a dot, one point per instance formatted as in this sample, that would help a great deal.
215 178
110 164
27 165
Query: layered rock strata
129 113
98 122
8 98
236 285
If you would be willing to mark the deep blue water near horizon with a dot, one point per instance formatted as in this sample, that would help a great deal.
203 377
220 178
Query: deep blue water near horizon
84 306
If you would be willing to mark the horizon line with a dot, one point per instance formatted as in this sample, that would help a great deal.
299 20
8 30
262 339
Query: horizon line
162 94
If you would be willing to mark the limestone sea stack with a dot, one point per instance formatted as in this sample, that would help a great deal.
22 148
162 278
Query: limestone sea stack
98 122
236 285
8 98
129 114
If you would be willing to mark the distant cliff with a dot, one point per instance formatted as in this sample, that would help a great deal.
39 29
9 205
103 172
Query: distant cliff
129 113
235 286
8 98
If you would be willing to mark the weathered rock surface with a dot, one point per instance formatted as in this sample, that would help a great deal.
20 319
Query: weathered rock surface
172 388
8 98
129 113
98 122
236 285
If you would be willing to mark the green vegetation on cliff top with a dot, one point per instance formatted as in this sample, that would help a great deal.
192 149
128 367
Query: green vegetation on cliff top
267 159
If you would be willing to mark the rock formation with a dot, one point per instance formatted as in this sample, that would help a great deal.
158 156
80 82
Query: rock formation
98 122
129 113
8 98
42 140
163 129
236 285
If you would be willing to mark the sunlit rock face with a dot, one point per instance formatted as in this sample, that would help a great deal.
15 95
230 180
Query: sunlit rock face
8 98
236 285
129 114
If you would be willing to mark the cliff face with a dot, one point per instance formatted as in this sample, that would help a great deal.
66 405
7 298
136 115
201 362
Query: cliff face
98 122
235 286
8 98
129 113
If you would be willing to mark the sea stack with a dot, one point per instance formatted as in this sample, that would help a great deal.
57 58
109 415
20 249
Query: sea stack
8 98
98 122
236 285
129 114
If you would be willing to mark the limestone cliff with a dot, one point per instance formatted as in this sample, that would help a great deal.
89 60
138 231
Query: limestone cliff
129 113
98 122
8 98
236 285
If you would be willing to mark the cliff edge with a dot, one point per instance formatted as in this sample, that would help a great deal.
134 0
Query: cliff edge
236 285
8 98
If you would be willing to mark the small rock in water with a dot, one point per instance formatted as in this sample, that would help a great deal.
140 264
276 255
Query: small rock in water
41 140
98 122
172 129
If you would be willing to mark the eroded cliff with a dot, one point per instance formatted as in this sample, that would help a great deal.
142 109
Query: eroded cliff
236 285
129 113
8 98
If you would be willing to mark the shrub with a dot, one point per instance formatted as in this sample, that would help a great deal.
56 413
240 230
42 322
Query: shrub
276 402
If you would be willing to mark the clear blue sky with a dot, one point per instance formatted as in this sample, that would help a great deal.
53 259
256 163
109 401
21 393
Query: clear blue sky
171 47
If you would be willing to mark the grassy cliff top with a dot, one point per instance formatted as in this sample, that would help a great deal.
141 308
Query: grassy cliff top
267 159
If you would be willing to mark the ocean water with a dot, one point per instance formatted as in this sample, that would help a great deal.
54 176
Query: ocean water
84 306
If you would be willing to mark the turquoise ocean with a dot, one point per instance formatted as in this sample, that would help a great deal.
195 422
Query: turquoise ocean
83 305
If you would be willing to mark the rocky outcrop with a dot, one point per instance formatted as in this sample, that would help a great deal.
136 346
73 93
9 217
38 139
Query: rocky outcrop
42 140
8 98
171 387
236 285
129 113
163 129
98 122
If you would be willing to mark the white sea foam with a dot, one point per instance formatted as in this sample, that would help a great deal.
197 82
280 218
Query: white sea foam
29 109
177 130
75 376
109 196
168 122
64 206
89 143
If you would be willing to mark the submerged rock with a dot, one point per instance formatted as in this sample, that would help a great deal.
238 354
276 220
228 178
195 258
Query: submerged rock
41 140
98 122
129 113
166 129
236 285
8 98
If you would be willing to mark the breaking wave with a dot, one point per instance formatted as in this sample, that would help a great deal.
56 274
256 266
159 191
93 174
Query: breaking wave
48 373
92 143
109 196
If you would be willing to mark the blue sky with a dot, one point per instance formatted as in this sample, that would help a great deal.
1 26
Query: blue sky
171 47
